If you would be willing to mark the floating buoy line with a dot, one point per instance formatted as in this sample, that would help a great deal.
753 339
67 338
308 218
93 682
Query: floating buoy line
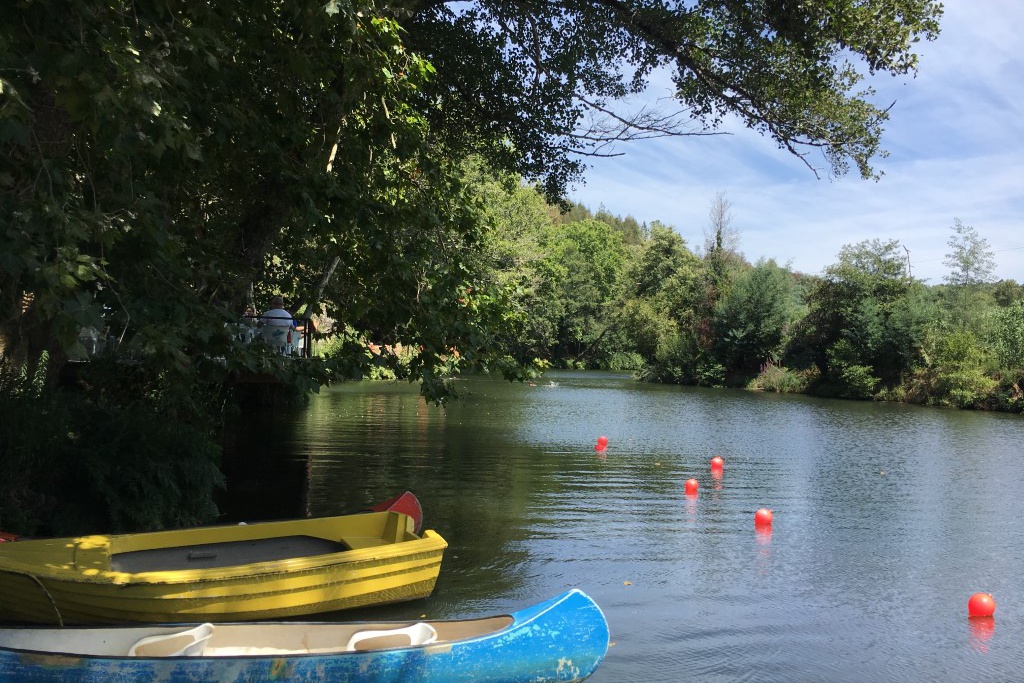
980 606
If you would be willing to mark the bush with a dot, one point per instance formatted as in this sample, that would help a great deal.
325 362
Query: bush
1008 396
782 380
75 466
856 381
355 358
622 361
1008 336
955 375
846 378
896 394
968 388
673 361
708 372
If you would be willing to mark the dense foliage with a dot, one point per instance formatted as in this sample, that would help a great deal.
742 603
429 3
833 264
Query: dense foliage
548 77
863 329
164 166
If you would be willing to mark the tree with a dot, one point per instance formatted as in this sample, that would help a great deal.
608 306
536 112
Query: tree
721 246
269 148
668 280
586 260
158 163
722 236
1007 292
539 85
517 223
971 261
664 260
752 321
162 163
971 264
632 232
866 318
301 149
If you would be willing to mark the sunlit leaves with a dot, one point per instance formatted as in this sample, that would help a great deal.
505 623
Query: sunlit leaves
538 86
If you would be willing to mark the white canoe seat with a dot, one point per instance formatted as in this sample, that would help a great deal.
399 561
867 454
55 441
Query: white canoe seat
415 634
188 643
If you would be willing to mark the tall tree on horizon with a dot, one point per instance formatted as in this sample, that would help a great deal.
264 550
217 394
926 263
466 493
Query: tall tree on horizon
971 263
971 260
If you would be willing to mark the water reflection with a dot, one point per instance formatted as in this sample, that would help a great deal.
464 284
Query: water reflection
886 518
981 630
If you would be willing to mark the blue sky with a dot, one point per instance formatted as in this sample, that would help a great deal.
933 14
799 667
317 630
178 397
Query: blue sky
956 143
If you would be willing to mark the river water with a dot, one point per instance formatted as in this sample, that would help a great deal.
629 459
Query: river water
886 519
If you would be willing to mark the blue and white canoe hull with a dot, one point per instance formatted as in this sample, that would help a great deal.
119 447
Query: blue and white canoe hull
562 639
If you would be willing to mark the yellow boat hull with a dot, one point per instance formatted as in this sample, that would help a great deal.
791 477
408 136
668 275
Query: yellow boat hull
370 559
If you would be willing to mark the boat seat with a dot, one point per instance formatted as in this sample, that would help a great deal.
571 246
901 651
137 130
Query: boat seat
188 643
415 634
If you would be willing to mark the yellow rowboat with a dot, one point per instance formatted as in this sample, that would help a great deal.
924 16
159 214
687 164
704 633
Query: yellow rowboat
266 570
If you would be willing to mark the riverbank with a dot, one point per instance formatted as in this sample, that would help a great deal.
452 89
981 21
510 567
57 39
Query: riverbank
969 391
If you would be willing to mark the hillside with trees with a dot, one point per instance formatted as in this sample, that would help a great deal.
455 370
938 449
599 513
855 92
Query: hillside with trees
606 292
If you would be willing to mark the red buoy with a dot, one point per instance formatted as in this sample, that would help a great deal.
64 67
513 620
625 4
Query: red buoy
717 463
763 517
981 605
691 487
602 441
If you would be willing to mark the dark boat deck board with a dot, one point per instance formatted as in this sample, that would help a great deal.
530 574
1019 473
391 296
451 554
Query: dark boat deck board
227 554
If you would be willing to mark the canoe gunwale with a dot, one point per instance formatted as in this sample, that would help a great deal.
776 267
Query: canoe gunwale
508 622
550 617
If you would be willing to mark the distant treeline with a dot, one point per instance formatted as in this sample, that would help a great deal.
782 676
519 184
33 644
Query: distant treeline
595 290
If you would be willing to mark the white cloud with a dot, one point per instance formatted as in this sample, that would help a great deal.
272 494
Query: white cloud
956 138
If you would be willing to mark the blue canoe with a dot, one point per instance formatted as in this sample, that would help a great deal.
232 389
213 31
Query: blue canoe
562 639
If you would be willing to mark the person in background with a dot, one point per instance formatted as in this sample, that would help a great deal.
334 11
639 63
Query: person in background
276 315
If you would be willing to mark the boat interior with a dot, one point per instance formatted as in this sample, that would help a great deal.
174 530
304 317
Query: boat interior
245 639
226 546
224 554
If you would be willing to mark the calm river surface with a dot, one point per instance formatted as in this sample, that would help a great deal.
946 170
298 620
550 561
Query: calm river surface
887 519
